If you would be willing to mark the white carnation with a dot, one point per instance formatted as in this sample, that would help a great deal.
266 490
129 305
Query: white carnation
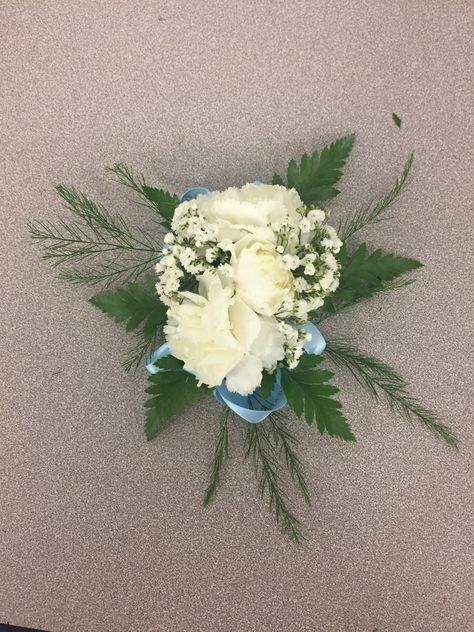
249 210
261 278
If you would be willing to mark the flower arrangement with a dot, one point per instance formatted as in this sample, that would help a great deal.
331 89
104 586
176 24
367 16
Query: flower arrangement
242 279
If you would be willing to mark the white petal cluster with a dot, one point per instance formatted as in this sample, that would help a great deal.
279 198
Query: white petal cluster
241 269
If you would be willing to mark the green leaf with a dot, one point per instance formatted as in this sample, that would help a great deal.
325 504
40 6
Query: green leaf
267 385
164 202
363 275
396 119
316 174
309 394
277 179
133 304
172 389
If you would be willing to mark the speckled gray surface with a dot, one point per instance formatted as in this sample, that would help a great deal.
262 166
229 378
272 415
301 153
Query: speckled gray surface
101 531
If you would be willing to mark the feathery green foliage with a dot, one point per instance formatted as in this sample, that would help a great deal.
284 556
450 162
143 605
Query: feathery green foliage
162 202
286 442
172 389
261 449
93 233
372 213
309 394
140 350
221 450
363 275
315 176
379 378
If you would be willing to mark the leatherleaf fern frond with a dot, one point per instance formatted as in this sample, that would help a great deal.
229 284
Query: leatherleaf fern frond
136 306
310 396
314 178
171 390
365 274
381 380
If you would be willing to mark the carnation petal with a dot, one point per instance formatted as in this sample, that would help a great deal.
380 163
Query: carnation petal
246 376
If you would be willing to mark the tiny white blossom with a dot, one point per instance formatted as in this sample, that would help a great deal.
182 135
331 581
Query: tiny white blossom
291 261
309 269
305 225
316 215
225 244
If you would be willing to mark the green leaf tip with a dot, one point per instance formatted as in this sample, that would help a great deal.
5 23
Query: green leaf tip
315 175
396 119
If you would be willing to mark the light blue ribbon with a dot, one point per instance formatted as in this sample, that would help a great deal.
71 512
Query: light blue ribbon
192 193
252 408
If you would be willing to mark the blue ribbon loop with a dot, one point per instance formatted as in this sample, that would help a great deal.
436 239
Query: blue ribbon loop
252 408
192 193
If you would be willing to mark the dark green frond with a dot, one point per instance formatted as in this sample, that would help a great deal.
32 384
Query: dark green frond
261 449
309 395
315 176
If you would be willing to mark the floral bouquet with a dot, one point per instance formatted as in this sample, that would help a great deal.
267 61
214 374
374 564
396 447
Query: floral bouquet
242 280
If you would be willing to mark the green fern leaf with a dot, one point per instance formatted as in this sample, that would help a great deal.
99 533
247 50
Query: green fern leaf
172 389
309 395
164 202
133 304
314 178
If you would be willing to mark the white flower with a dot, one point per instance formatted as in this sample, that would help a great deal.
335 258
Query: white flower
261 278
301 309
291 262
226 245
316 216
168 238
226 270
251 209
199 332
305 225
327 280
330 260
309 269
309 258
211 254
315 303
301 284
263 352
332 241
217 335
